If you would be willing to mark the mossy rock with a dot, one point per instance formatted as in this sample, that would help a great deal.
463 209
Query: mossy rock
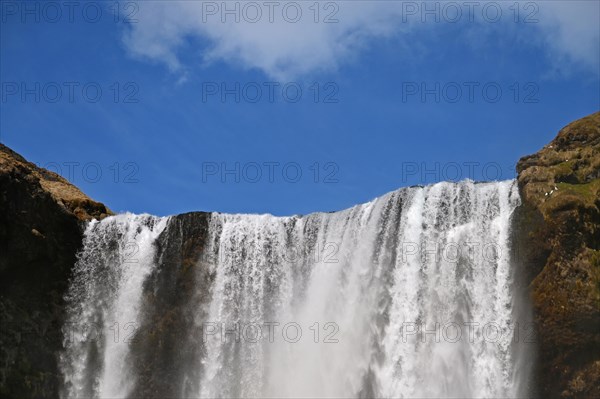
562 183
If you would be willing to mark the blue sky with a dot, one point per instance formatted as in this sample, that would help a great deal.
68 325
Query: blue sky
391 96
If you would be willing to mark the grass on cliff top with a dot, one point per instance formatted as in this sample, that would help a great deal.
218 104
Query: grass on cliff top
586 128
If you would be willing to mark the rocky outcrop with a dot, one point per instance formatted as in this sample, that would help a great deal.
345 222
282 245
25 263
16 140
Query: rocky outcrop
558 229
41 225
172 305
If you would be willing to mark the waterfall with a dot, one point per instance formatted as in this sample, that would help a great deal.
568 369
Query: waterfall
106 291
409 295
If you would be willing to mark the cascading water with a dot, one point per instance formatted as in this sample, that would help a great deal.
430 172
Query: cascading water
106 289
410 295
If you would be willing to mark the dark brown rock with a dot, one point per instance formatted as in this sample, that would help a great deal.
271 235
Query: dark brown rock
41 225
558 230
175 296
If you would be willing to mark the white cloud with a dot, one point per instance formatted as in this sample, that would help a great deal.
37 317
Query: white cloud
285 50
571 31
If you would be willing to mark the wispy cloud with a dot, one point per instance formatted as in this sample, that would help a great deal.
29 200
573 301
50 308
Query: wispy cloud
290 39
571 32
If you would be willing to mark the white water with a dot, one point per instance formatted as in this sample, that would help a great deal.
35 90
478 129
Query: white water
364 302
106 292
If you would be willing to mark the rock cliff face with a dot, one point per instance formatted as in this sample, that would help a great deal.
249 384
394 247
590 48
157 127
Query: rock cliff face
558 229
171 303
41 217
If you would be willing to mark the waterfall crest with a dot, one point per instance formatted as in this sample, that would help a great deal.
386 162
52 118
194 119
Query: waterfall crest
409 295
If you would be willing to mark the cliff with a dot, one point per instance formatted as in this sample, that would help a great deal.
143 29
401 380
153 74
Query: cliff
558 229
41 227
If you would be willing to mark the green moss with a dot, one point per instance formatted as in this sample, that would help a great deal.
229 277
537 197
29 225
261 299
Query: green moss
563 169
587 192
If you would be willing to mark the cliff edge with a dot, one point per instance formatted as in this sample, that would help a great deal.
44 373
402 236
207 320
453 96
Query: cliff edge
41 226
558 226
